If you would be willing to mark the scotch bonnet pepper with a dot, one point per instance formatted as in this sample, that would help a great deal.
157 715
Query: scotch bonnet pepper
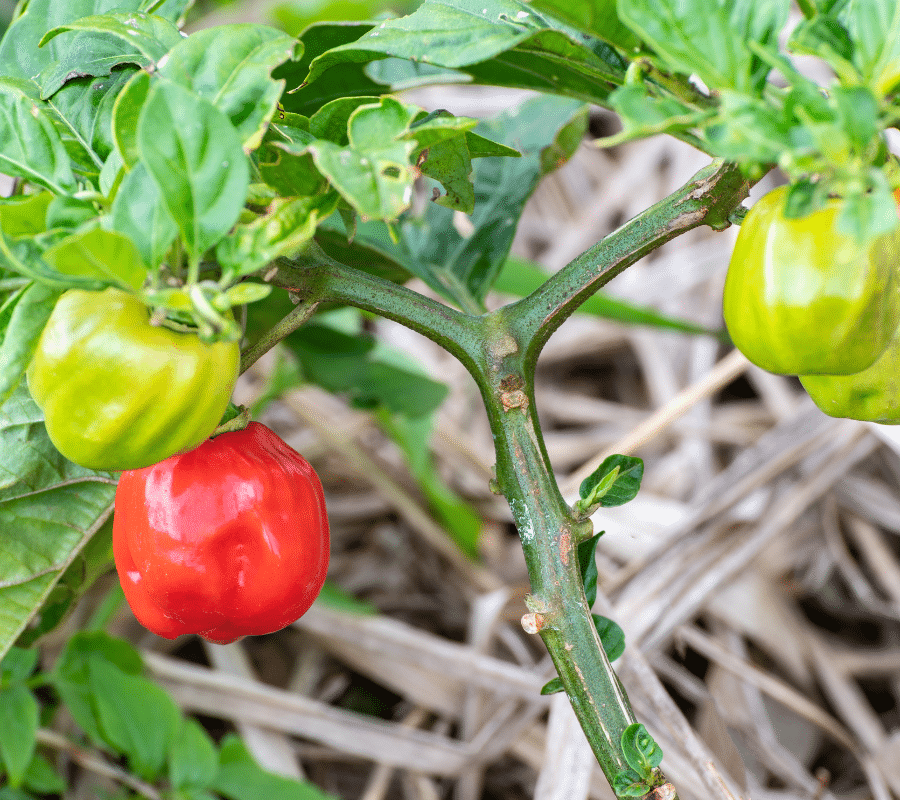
227 540
120 393
802 298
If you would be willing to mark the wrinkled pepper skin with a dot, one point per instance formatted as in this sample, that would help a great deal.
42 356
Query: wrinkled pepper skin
119 393
228 540
872 395
801 298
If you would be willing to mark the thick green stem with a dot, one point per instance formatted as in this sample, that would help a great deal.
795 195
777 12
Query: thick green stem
550 533
709 198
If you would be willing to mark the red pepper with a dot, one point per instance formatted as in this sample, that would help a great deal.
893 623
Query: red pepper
227 540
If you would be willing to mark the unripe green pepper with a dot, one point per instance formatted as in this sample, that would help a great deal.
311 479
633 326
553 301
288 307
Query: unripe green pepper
119 393
802 298
873 394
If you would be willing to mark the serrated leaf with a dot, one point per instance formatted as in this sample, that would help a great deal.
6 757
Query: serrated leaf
230 66
199 167
18 729
101 254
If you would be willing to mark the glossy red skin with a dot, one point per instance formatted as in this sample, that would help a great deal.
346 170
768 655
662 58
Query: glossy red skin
227 540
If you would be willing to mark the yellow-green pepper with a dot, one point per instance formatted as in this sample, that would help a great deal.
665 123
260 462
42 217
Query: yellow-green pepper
802 298
120 393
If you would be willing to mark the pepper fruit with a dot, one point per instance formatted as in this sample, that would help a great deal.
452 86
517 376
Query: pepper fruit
227 540
802 298
873 394
119 393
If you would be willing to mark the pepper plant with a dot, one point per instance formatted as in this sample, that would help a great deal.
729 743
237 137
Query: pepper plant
238 181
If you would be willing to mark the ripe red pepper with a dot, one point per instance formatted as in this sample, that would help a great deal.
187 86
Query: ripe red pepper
227 540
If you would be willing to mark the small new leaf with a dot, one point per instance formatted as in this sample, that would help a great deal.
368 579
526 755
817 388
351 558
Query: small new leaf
640 750
588 566
552 686
612 637
598 489
628 783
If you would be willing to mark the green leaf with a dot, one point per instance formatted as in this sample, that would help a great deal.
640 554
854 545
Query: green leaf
874 28
193 761
49 510
141 213
102 42
83 110
20 55
137 718
24 215
32 147
640 750
286 228
463 269
22 318
72 677
643 114
344 80
335 597
125 115
17 665
553 686
612 637
597 17
373 172
241 778
230 66
101 254
18 728
628 783
42 778
497 42
200 168
587 564
626 485
709 38
824 37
